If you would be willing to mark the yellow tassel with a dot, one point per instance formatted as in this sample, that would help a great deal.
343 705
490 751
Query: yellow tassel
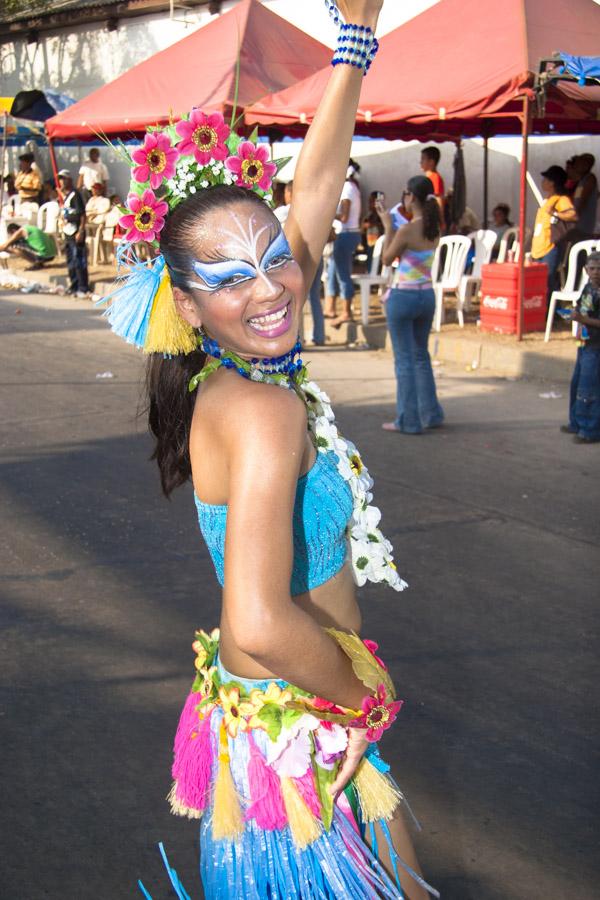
178 808
167 331
228 821
304 826
377 795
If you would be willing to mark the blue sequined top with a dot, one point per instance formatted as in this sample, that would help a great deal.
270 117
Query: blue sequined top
322 509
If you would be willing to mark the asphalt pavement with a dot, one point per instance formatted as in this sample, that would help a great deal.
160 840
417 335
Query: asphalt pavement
495 523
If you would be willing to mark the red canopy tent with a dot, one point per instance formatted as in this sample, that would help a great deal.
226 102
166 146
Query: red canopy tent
461 68
200 70
464 68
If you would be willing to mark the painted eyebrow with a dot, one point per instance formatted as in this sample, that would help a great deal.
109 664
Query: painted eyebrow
213 273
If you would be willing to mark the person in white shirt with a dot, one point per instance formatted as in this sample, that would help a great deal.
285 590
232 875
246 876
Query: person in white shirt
97 206
93 170
339 271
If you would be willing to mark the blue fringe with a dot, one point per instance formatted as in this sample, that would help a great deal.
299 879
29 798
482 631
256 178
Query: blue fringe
131 304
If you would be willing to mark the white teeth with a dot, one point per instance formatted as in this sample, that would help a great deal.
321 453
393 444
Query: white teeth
264 322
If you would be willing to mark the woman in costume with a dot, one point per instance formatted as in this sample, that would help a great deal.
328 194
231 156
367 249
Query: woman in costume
276 749
410 307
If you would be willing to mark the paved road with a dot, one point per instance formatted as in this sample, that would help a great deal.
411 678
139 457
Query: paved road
495 524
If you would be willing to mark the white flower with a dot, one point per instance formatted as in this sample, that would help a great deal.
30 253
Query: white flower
204 184
322 432
192 189
329 742
289 755
365 522
318 400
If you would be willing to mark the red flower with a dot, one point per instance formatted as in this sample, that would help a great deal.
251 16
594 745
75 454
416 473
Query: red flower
155 159
251 166
377 715
203 136
372 647
146 219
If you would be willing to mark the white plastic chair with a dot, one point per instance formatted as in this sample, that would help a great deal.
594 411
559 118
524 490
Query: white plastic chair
484 240
456 249
573 286
47 217
29 210
377 275
510 241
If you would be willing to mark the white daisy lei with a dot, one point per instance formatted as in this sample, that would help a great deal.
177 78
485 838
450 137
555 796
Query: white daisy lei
371 552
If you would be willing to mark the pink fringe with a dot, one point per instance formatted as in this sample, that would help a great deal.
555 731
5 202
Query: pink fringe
308 792
265 791
193 761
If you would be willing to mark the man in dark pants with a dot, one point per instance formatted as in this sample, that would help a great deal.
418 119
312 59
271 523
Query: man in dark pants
73 219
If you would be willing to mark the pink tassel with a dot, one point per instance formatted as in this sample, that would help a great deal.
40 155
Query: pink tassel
189 721
193 763
265 791
307 790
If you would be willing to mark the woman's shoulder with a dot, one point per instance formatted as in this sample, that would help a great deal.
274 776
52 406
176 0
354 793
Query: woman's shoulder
240 406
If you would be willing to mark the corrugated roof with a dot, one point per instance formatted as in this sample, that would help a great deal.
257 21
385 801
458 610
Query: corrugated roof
26 10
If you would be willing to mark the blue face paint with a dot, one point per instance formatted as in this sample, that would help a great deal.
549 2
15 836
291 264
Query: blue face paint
231 273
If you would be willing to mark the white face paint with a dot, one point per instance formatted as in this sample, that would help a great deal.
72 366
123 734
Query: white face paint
244 263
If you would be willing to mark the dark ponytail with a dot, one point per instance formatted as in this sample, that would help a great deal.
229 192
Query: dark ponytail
170 404
423 190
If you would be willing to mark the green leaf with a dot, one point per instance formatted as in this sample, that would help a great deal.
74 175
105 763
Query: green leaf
323 779
271 715
362 562
254 136
281 162
289 717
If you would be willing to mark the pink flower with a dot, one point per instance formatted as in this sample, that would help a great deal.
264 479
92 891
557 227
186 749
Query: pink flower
155 159
372 647
251 166
147 217
203 136
377 715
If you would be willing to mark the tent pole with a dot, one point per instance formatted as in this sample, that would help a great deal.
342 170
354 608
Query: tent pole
485 181
522 218
54 169
4 139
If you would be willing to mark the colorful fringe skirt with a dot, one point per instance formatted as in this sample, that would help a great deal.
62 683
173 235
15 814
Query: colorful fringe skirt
255 767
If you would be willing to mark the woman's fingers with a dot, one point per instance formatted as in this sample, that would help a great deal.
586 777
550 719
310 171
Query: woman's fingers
357 744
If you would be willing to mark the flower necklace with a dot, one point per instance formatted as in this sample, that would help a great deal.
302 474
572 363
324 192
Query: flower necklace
370 551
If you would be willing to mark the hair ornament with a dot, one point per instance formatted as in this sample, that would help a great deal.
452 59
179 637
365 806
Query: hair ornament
173 163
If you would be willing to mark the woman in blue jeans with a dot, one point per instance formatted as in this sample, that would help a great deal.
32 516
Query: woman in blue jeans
410 307
339 271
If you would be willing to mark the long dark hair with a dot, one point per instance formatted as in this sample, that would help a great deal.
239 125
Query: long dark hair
170 405
423 190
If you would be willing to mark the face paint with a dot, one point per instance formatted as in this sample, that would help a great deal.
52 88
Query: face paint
231 273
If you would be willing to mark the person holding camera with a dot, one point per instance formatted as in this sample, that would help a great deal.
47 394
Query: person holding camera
73 228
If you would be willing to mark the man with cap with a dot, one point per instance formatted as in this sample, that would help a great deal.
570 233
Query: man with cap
27 181
73 229
556 209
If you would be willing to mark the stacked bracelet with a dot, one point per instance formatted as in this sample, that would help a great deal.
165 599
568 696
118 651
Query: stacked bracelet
356 46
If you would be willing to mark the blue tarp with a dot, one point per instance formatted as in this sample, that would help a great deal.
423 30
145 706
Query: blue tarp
582 67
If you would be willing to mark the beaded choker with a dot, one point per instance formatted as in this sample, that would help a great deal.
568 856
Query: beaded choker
288 369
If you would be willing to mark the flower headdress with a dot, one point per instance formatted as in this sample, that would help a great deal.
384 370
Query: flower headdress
173 163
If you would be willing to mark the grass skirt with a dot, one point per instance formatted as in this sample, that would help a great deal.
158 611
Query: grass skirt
256 772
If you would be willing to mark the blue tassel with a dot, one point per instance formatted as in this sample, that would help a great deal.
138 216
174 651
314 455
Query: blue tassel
131 304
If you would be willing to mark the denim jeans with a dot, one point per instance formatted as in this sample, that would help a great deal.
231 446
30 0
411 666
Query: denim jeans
316 309
552 260
409 317
339 270
584 400
77 264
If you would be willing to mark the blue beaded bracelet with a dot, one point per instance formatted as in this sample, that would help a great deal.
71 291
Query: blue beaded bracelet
356 46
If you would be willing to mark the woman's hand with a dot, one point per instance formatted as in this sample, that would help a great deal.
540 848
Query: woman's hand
384 215
360 12
357 745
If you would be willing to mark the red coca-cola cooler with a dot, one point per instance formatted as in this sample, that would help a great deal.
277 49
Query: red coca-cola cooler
499 291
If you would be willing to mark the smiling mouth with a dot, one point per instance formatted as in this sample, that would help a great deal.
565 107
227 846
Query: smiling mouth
269 321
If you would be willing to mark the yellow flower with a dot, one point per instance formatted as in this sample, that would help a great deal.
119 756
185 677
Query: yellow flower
273 695
356 463
206 688
235 712
201 655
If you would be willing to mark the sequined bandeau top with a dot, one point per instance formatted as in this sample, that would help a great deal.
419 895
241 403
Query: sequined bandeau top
322 508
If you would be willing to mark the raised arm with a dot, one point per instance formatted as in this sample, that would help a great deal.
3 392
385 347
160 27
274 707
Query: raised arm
323 161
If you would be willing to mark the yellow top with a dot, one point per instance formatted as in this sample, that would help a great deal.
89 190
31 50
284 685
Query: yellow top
542 240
